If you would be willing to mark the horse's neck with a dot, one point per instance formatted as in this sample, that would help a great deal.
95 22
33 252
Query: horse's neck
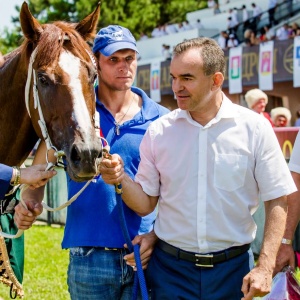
17 136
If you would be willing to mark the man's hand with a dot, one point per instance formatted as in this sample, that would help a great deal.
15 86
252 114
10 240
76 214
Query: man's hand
257 283
147 242
112 170
36 176
24 218
285 257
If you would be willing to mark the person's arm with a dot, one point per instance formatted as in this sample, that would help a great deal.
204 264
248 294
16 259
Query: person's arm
286 255
112 172
6 173
33 198
257 282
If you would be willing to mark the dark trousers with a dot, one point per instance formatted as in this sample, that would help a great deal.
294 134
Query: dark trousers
170 278
271 16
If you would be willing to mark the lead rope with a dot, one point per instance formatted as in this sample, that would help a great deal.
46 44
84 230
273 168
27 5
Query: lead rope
139 277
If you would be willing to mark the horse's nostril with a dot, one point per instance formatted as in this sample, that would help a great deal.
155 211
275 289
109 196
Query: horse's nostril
74 155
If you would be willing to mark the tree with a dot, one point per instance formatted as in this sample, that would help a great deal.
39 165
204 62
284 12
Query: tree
136 15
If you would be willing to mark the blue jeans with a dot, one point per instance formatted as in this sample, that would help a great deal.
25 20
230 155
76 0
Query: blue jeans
95 274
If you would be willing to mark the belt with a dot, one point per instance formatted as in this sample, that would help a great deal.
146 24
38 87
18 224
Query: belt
203 260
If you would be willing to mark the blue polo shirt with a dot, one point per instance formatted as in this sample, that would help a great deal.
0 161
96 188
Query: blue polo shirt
93 219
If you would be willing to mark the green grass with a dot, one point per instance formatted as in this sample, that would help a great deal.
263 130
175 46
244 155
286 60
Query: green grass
46 264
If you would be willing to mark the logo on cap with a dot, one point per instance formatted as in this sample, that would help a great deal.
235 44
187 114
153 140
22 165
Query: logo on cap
118 35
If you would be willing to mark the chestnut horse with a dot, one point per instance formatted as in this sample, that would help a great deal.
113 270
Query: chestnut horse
47 92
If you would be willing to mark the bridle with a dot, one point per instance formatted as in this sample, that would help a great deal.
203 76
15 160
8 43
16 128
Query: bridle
57 153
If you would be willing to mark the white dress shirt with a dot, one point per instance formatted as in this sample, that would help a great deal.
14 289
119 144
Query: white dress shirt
209 178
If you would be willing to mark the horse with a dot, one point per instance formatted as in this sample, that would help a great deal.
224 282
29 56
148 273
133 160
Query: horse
47 92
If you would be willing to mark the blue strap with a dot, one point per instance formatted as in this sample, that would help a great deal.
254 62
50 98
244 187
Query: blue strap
139 278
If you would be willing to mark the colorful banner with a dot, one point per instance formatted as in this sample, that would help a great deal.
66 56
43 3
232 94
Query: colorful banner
265 66
235 70
155 81
296 65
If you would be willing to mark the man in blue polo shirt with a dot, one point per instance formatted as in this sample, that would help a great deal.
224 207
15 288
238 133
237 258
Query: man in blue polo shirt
93 233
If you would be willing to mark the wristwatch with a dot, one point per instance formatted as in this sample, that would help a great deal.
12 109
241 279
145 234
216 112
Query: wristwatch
286 241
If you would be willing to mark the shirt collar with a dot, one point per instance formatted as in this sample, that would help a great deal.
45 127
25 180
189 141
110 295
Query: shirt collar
148 111
227 110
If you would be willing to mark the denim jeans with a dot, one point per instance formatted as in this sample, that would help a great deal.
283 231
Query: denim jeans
96 274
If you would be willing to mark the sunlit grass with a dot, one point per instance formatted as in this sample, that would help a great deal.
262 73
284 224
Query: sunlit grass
45 266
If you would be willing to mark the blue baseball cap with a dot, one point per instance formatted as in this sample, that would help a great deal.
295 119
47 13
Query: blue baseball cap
113 38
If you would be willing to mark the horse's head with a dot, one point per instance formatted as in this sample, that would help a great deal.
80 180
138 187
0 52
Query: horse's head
60 89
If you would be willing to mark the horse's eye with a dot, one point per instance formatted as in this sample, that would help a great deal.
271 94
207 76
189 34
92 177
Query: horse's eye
42 79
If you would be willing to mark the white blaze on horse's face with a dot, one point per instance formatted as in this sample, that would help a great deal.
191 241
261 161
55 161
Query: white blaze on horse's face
71 65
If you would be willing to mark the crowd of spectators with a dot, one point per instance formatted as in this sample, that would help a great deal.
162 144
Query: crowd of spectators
252 36
266 33
167 29
249 18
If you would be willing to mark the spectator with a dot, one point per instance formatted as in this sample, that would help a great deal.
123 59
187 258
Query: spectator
159 31
231 25
180 27
256 14
187 25
211 3
281 116
232 41
272 4
198 24
262 35
166 52
257 100
245 15
233 15
294 28
269 33
297 122
290 7
283 32
217 9
223 39
250 37
143 36
171 28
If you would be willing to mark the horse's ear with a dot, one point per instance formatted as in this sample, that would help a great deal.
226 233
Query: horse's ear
87 27
30 26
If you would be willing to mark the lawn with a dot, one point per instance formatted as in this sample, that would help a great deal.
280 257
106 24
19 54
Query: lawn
45 266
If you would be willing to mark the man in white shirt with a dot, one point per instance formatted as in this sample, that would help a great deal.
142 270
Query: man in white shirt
205 166
282 32
256 14
272 8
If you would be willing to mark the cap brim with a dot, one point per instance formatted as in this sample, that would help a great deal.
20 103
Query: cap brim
112 48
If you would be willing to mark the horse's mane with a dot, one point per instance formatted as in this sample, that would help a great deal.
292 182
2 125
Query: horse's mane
53 39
